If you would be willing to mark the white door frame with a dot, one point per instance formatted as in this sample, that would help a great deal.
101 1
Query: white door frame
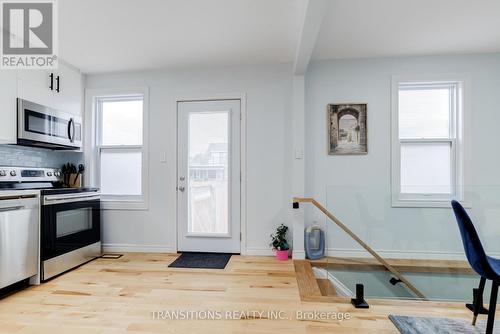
243 155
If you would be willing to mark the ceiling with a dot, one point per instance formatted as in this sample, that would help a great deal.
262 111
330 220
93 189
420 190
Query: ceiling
118 35
386 28
123 35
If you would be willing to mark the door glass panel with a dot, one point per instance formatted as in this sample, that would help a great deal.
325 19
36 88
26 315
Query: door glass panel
73 221
208 179
37 123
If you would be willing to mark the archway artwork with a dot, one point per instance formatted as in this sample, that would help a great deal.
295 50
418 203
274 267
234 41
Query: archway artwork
347 132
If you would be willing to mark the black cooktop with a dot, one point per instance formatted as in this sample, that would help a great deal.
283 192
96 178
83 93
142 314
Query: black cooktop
57 191
27 185
46 188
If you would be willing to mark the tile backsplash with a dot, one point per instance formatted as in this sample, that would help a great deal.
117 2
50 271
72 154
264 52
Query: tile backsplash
12 155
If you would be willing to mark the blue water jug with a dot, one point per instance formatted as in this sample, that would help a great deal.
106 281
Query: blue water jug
314 242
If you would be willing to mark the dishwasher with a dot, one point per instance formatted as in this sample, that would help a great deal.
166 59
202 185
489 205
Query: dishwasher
19 238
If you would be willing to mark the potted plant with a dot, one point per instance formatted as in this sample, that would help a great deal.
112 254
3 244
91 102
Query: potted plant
279 243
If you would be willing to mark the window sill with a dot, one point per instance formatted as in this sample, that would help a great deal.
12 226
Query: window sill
425 204
123 205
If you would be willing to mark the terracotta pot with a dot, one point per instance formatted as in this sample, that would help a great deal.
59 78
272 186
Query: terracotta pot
282 255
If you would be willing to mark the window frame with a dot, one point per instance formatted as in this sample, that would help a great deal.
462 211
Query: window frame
458 133
95 98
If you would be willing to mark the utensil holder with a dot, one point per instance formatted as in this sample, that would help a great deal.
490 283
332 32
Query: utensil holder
75 181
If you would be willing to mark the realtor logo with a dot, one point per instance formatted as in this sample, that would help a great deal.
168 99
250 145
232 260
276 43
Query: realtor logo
28 37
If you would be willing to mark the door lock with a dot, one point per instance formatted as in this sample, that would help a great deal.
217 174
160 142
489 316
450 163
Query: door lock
182 178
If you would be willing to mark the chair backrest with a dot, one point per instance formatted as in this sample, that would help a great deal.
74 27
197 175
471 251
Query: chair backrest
472 244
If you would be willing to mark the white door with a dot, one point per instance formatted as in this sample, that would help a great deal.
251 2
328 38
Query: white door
208 176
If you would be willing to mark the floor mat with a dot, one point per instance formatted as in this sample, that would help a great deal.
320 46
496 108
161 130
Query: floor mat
431 325
201 260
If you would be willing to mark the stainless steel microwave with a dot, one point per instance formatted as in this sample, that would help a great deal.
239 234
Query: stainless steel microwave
41 126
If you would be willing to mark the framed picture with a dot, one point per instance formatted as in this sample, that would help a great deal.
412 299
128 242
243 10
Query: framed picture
347 132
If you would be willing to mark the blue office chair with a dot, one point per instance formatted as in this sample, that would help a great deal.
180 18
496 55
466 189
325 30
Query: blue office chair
487 267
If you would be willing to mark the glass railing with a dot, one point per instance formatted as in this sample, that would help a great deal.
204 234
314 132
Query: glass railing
421 245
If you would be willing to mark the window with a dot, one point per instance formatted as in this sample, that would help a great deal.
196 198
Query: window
427 142
121 149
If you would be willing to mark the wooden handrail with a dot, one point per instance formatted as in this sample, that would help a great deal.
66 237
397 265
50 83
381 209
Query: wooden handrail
359 241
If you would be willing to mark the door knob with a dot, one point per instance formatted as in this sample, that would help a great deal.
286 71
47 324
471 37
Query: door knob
181 188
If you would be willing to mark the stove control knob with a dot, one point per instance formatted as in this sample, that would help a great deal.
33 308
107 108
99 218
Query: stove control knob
3 173
57 173
49 173
13 173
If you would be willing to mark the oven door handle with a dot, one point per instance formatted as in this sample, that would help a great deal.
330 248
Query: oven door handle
51 200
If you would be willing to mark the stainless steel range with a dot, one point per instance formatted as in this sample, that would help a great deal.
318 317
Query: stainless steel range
70 230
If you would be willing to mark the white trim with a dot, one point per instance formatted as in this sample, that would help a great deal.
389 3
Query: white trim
401 254
243 154
297 163
298 254
132 248
91 147
332 252
123 205
314 13
210 235
256 251
459 140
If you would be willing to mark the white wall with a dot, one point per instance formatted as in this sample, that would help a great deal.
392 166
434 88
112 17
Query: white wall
268 97
358 187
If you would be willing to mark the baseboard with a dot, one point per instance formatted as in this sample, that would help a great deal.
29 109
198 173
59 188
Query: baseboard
254 251
298 254
132 248
401 254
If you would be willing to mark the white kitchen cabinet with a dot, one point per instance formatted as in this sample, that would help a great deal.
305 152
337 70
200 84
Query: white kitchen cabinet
40 87
8 109
34 86
60 88
68 91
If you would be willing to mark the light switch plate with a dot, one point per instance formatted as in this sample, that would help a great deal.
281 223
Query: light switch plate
299 154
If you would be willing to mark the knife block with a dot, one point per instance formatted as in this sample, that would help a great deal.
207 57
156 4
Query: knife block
75 181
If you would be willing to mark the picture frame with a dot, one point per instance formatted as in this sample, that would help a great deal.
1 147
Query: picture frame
347 129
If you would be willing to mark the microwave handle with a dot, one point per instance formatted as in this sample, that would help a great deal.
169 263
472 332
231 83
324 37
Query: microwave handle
51 86
71 129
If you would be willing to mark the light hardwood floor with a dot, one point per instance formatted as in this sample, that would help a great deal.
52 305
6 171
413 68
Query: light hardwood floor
120 296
